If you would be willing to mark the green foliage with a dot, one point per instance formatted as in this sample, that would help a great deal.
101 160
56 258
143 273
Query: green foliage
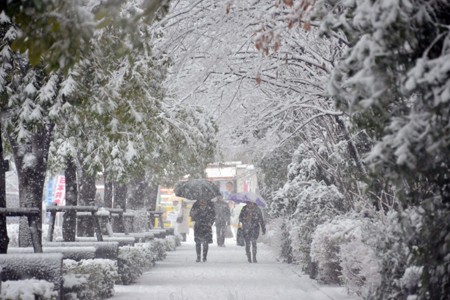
121 120
60 32
272 171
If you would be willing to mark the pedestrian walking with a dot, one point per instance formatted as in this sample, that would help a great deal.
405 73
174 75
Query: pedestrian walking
251 219
222 221
182 226
203 214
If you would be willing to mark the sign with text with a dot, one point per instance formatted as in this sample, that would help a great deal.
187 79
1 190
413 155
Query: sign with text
56 190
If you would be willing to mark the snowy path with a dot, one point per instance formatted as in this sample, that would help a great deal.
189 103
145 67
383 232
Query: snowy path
226 276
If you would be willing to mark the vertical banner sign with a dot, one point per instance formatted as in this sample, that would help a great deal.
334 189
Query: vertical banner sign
50 190
60 190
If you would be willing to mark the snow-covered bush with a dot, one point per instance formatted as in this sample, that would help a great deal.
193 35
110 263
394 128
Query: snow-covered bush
273 237
345 252
147 251
28 289
326 243
360 267
392 248
133 261
89 279
277 237
307 200
411 279
158 249
316 204
171 243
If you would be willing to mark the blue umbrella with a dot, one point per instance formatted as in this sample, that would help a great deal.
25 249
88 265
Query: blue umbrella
245 197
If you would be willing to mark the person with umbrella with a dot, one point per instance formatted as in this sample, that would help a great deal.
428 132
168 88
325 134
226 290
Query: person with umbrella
203 214
251 219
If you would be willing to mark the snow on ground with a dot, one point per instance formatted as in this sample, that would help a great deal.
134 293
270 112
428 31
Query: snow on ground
226 276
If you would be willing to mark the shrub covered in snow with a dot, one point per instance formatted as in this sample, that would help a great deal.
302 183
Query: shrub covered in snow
147 251
316 204
41 266
326 244
29 289
392 248
133 261
159 249
171 242
345 252
307 200
89 279
277 237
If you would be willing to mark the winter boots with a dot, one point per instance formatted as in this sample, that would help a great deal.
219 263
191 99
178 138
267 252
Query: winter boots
247 251
249 258
198 249
205 251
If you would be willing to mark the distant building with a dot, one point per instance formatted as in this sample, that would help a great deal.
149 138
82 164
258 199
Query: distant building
242 176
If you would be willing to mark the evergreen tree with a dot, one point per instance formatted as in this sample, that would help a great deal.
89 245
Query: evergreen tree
393 81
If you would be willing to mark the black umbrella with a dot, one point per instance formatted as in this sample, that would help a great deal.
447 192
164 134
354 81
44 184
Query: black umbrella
196 189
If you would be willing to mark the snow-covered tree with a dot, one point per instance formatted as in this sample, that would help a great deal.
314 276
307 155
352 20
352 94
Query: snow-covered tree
266 80
59 31
265 84
307 200
123 123
393 81
30 97
37 98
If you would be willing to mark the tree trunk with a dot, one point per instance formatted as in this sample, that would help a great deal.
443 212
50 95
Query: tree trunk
86 197
354 153
4 240
87 190
108 195
31 161
70 217
120 195
136 193
120 201
152 196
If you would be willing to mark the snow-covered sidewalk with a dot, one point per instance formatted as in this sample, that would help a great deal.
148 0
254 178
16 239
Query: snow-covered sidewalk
226 276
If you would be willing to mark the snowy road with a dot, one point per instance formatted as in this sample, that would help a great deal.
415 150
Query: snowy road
226 276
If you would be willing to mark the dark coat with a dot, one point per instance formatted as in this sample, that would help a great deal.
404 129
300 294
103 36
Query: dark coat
204 219
252 220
